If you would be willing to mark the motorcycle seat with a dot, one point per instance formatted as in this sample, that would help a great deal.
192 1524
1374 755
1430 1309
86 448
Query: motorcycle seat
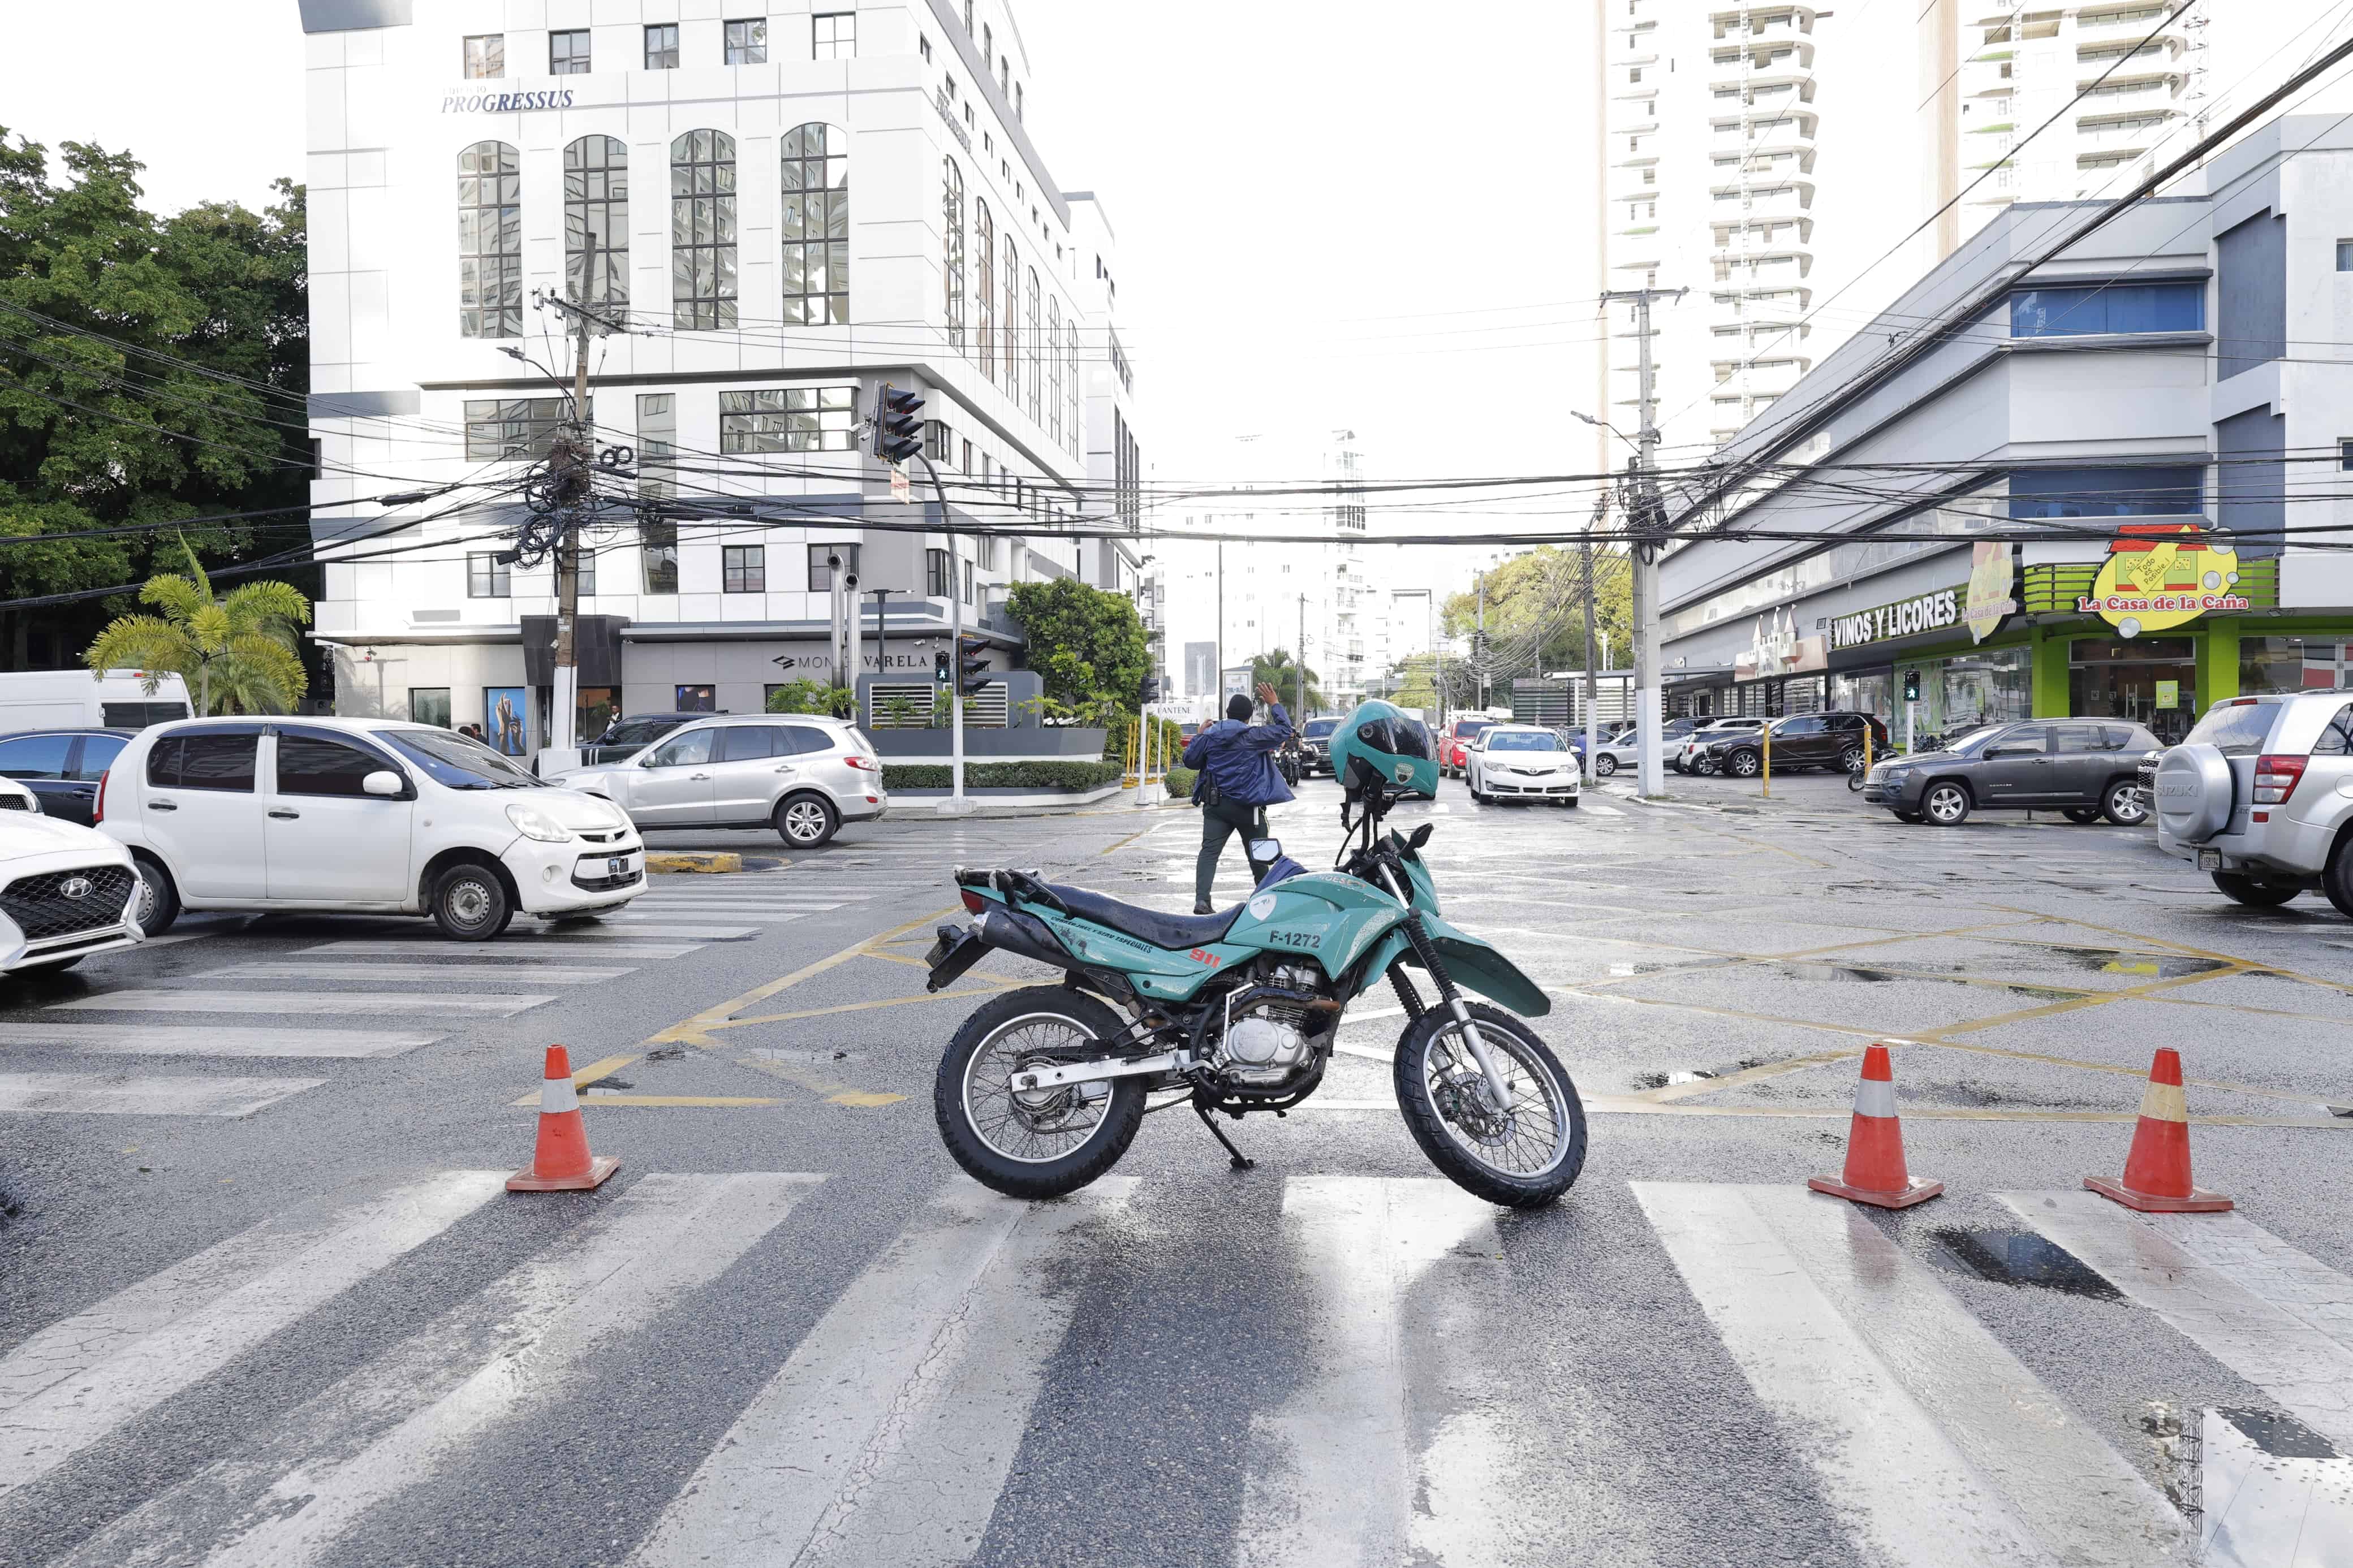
1175 932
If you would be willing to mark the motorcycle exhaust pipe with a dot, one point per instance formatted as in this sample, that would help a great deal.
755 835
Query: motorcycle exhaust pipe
1024 936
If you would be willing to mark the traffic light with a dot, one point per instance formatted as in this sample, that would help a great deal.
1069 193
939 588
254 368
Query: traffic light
1150 688
898 425
1910 686
971 666
940 668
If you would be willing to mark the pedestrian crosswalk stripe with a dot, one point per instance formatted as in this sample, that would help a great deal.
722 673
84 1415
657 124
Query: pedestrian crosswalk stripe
296 1002
1336 1475
669 927
71 1384
708 906
512 950
183 1040
1938 1442
891 1427
2278 1317
453 973
122 1094
1593 807
506 1352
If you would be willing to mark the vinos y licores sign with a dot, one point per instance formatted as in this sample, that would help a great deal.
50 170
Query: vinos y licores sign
1906 617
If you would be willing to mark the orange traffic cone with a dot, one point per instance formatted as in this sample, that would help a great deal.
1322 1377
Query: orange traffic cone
562 1162
1874 1147
2156 1170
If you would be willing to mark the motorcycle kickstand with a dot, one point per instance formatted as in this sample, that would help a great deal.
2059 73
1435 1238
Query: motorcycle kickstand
1241 1162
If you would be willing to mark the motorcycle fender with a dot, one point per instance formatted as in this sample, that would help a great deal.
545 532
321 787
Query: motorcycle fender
1476 965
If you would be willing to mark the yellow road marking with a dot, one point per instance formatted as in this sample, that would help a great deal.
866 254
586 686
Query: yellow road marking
703 1099
696 1031
857 1008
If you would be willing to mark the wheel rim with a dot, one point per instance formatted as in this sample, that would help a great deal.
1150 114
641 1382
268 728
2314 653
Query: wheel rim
1032 1127
1744 764
148 897
1528 1139
1605 766
1944 803
471 904
804 822
1851 761
2124 802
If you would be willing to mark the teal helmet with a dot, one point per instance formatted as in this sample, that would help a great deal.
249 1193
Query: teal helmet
1382 742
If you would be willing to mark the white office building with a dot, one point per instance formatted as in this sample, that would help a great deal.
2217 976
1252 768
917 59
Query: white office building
781 206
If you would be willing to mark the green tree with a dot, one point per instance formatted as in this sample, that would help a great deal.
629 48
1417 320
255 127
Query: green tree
240 648
813 697
1279 670
1535 613
151 369
1087 645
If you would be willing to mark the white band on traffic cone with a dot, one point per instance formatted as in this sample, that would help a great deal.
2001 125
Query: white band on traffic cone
557 1096
1874 1097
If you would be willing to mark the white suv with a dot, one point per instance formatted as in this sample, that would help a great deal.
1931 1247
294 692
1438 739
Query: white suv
2261 796
358 814
796 772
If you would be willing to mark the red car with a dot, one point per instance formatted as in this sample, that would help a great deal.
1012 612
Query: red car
1457 733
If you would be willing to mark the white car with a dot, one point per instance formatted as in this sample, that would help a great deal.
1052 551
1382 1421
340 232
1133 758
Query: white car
64 892
362 816
1685 756
799 773
1611 755
1522 762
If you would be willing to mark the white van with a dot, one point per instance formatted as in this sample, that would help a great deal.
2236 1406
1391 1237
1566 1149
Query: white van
74 699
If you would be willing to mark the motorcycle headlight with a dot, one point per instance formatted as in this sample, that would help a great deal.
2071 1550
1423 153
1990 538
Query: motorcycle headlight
533 823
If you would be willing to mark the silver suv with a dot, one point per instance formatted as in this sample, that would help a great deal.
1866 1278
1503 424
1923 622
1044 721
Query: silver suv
2261 794
799 773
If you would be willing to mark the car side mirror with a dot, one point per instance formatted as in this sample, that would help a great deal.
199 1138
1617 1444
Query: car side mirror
381 781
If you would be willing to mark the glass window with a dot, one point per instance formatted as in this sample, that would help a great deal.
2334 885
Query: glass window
744 569
489 242
1517 740
802 740
2107 307
697 700
661 46
789 419
939 441
205 760
657 549
747 43
2077 739
488 577
2336 738
429 705
2236 728
514 429
2345 256
1010 341
834 35
2022 741
2280 665
2157 492
98 755
583 570
816 220
317 764
458 761
567 52
937 575
139 715
36 756
597 220
678 750
1053 354
1036 370
750 742
486 57
952 251
1811 724
1071 367
2345 456
820 564
702 231
984 292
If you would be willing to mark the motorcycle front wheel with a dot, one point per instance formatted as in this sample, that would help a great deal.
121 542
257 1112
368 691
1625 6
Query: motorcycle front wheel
1034 1143
1524 1156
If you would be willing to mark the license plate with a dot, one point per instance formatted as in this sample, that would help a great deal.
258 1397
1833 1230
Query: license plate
617 865
2209 859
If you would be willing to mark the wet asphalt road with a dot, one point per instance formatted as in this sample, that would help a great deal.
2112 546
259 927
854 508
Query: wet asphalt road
788 1331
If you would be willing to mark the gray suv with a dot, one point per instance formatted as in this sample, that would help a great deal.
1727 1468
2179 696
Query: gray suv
2261 796
799 773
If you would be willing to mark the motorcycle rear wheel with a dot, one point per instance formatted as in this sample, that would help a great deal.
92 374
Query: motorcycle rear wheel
1523 1159
1040 1143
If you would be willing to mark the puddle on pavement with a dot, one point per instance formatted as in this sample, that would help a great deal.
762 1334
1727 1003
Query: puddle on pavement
1870 975
2271 1492
2140 965
2023 1258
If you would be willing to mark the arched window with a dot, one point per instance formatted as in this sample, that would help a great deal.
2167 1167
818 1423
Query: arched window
1054 367
1036 355
816 224
489 242
597 221
1075 435
984 241
952 251
1011 336
702 231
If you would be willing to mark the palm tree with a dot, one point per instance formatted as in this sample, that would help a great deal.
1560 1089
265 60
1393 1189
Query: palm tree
1278 669
241 645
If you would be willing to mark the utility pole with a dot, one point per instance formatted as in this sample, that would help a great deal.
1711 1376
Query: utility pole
1479 645
1218 676
1592 676
881 630
573 462
1645 513
1299 677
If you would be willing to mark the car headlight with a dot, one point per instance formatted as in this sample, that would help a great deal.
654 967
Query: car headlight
533 823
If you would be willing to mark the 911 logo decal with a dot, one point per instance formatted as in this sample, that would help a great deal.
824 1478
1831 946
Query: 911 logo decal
1199 956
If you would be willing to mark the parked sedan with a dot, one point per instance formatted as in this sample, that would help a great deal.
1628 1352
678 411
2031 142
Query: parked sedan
1455 748
802 774
1522 762
62 767
2087 769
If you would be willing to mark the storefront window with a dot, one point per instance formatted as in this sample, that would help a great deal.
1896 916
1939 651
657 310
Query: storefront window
2150 680
1990 686
2271 664
1869 691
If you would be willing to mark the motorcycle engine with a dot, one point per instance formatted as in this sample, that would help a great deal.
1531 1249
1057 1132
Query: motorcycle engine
1268 1044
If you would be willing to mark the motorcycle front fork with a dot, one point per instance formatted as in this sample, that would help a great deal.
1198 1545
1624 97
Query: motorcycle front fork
1498 1087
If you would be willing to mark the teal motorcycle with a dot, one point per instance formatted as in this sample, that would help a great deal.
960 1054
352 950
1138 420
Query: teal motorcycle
1043 1088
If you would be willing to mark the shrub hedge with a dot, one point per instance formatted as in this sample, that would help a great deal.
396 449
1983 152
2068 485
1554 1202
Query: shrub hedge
1180 783
1073 776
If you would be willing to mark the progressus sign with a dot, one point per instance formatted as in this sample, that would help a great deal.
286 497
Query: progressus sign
1921 613
462 102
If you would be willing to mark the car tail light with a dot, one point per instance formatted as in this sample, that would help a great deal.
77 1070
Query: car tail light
2276 778
972 900
869 764
97 812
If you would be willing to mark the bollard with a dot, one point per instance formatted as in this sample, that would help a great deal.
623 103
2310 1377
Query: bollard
1768 759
